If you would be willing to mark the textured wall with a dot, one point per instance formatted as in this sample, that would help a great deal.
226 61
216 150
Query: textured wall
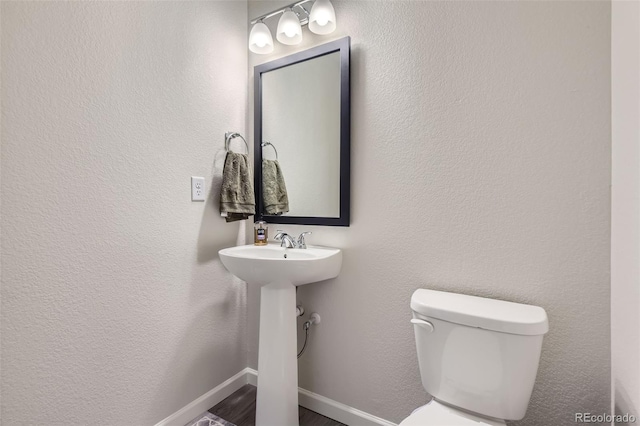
625 198
481 149
114 304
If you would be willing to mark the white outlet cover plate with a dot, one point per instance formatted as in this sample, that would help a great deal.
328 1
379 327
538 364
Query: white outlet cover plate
197 188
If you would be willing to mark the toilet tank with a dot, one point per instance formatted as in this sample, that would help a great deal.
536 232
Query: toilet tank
478 354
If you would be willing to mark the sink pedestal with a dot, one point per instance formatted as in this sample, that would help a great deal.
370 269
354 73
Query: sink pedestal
277 400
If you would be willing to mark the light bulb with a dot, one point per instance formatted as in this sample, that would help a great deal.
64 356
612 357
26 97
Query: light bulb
322 19
260 40
289 29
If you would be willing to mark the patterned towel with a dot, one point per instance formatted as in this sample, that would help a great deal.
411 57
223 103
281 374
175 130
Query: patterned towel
237 200
274 191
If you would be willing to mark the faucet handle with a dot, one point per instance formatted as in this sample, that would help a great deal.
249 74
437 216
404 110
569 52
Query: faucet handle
279 234
301 242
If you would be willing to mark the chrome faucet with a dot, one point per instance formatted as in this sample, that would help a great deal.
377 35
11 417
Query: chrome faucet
287 240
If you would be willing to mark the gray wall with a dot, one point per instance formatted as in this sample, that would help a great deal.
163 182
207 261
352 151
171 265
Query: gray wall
115 308
480 165
625 200
481 150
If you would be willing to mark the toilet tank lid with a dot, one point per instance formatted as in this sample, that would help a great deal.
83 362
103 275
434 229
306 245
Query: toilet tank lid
473 311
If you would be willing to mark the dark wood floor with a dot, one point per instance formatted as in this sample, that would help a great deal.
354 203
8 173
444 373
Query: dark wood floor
240 408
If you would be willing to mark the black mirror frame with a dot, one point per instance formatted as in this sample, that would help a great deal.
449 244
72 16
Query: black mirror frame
343 46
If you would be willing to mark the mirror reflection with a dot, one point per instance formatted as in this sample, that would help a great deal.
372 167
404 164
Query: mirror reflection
301 124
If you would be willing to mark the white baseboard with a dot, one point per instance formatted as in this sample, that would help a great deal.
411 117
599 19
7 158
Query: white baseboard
314 402
206 401
330 408
338 411
252 376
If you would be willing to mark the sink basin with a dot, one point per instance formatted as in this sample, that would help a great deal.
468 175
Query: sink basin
262 265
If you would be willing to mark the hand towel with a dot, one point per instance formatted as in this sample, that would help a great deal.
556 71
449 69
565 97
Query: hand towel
237 199
274 191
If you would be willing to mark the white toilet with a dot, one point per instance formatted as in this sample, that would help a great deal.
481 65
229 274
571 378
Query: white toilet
478 358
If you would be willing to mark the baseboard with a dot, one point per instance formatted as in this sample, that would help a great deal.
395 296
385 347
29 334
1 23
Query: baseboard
338 411
206 401
252 376
329 408
314 402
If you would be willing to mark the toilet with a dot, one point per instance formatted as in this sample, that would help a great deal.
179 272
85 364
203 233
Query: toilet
478 358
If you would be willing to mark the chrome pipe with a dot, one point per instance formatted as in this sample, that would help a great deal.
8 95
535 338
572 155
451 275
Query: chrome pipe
304 21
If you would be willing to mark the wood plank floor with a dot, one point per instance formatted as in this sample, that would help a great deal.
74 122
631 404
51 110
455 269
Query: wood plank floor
240 408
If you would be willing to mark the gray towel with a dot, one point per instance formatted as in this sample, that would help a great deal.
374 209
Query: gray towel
237 199
274 191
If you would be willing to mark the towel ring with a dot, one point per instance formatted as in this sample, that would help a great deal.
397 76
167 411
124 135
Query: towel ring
229 136
265 143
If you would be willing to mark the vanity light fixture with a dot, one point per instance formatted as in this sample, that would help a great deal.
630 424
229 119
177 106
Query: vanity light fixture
321 19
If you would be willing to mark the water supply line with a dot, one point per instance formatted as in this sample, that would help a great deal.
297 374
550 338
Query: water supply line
313 319
305 326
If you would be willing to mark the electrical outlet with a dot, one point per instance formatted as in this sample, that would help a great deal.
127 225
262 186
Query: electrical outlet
197 188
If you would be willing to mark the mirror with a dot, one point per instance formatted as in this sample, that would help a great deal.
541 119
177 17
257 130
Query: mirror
301 141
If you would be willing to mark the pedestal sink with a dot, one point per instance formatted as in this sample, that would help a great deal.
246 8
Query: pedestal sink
277 271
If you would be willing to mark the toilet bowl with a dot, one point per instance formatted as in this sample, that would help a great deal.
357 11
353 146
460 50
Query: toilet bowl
438 414
478 358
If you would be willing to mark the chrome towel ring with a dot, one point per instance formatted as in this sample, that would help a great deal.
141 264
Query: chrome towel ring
265 143
229 136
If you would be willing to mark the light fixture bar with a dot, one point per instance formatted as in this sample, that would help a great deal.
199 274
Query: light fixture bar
303 20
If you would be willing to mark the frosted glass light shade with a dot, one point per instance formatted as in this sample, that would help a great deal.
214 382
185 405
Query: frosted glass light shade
289 29
260 40
322 19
